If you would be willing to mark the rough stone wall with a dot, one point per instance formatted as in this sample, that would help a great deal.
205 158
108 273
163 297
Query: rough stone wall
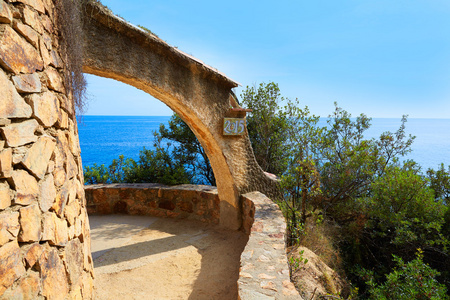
197 202
44 229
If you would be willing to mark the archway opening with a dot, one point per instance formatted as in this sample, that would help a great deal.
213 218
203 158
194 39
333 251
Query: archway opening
139 244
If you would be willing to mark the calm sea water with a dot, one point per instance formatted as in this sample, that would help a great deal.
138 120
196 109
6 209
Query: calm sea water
104 138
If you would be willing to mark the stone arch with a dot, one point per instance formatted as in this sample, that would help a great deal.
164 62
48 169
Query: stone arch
44 227
199 94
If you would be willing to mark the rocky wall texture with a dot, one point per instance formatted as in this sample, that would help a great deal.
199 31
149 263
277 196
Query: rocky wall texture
44 229
197 202
264 272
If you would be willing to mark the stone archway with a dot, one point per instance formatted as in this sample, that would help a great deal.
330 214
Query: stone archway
199 94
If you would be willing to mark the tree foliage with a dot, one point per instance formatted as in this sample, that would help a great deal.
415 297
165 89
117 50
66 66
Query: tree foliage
412 280
155 166
187 149
176 158
382 207
267 126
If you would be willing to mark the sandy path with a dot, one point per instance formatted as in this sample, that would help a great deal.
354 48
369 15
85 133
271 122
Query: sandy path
151 258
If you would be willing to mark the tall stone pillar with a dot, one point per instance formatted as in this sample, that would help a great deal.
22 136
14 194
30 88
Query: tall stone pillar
44 229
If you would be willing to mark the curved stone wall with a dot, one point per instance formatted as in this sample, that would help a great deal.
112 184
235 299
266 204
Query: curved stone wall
264 272
44 229
197 202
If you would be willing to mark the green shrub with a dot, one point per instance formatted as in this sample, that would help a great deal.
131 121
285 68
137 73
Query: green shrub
412 280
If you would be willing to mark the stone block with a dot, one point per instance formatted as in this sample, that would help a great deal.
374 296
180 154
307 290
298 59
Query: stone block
16 54
5 196
60 153
73 256
66 104
73 143
9 227
63 119
55 230
87 286
36 4
5 13
47 41
27 32
51 167
27 83
4 122
61 232
46 58
6 163
53 276
45 107
30 17
78 227
47 23
59 175
37 158
18 134
32 254
61 200
54 80
27 288
12 105
47 193
72 209
87 258
26 186
30 286
56 60
71 166
48 4
11 267
30 224
18 154
48 227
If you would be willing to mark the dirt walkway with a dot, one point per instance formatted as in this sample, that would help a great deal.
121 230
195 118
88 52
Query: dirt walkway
152 258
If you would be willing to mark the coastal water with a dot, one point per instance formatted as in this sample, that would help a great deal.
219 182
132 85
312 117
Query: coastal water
104 138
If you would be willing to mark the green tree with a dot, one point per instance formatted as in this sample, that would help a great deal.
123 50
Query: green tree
267 126
402 210
401 215
159 165
187 149
301 180
350 162
96 174
440 183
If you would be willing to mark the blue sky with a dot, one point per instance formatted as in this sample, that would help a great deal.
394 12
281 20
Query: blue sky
383 58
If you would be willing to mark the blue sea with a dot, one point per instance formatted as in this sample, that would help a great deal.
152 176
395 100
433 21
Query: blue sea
104 138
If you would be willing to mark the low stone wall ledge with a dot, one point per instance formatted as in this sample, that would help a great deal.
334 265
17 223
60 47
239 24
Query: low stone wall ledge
264 272
197 202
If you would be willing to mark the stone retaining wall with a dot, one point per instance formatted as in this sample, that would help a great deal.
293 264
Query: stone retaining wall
44 230
264 272
183 201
